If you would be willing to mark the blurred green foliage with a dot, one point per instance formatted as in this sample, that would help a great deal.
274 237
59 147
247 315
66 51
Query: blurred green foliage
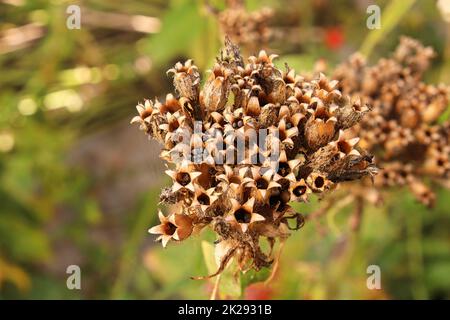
61 89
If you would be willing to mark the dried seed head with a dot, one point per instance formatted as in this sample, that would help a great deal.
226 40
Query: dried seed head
245 28
402 128
244 145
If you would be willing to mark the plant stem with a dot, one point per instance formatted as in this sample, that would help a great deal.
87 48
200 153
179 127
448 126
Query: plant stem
415 255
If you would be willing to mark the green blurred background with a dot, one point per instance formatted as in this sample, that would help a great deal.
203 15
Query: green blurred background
79 185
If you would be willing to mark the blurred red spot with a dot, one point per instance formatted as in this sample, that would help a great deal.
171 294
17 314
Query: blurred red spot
334 38
258 291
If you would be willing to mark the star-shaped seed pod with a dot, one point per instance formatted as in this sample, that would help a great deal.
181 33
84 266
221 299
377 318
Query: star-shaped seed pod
204 198
284 168
345 146
262 183
263 60
291 116
318 182
286 132
145 111
170 105
243 214
233 179
300 191
177 227
183 178
174 122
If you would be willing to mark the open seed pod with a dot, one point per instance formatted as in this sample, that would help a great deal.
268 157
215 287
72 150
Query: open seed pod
244 145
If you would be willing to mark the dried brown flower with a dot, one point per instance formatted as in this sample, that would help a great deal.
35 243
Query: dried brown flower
242 147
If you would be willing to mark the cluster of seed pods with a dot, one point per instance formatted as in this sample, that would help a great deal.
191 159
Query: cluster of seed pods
243 27
405 129
243 145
